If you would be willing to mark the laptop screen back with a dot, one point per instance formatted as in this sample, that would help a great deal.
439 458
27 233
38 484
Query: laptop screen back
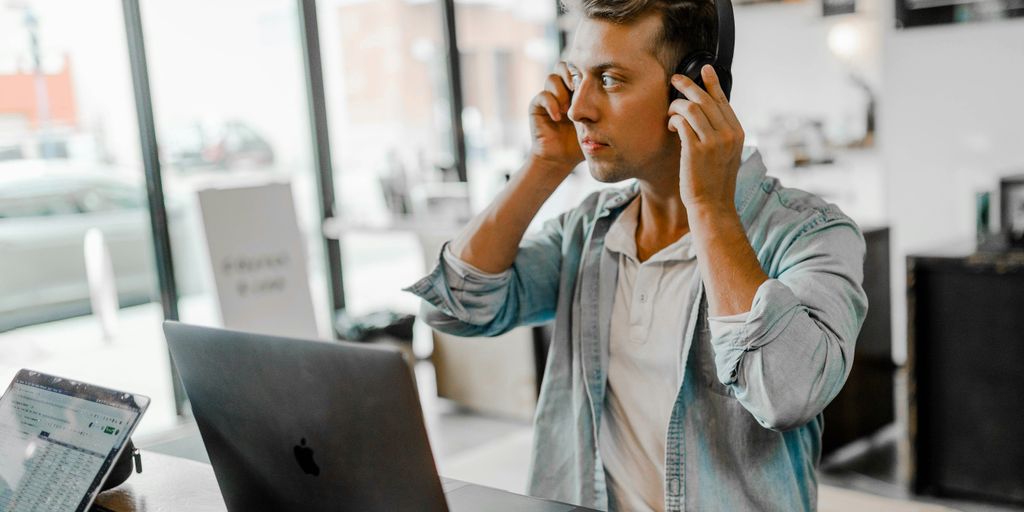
293 424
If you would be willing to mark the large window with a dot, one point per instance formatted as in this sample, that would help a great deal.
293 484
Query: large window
70 166
230 108
230 104
387 90
387 93
507 50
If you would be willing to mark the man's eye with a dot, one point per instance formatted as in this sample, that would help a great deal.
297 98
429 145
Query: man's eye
608 81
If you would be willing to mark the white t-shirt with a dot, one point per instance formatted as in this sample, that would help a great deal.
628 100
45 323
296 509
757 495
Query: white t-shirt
649 318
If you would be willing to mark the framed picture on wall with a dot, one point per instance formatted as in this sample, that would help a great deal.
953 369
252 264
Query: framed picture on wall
915 13
753 2
1011 211
837 7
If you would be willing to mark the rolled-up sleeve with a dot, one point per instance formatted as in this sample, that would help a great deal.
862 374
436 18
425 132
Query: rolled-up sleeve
462 300
723 326
792 353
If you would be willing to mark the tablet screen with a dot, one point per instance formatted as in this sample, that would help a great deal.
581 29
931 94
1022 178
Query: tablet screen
58 439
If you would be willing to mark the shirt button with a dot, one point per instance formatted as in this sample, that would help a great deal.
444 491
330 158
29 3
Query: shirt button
643 298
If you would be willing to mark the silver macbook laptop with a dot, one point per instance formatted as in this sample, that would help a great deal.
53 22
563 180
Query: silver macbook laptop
313 425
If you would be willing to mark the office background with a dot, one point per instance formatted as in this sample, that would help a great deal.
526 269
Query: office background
386 115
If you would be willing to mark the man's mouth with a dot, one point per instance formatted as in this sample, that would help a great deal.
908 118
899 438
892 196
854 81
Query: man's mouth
592 145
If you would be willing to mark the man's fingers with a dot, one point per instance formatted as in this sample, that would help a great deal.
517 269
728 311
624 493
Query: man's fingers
544 101
691 90
557 88
694 94
695 117
562 70
677 124
714 86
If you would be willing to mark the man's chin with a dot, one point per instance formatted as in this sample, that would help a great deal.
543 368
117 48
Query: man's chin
605 172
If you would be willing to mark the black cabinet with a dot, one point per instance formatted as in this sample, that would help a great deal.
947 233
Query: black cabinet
965 358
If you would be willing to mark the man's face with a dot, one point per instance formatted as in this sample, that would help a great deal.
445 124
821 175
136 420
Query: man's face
620 100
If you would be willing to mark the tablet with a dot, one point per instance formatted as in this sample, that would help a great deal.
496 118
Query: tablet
59 440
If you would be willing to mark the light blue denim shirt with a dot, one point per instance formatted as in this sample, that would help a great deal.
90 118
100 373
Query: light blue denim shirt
745 430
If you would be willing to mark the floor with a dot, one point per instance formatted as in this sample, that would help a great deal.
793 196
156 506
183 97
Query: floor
870 466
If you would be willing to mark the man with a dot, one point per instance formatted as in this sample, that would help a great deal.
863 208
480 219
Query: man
703 317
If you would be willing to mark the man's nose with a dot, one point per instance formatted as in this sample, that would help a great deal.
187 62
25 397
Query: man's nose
582 108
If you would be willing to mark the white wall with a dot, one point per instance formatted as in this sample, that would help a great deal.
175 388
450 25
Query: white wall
952 121
783 66
950 118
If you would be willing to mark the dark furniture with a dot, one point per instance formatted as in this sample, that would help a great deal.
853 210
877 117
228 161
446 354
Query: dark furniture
965 356
866 402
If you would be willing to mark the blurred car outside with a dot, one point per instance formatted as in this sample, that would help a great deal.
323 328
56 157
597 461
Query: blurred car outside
217 146
46 207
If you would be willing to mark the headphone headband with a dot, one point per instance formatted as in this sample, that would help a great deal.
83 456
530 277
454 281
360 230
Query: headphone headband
692 63
726 43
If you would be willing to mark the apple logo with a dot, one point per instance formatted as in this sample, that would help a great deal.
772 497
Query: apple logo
304 456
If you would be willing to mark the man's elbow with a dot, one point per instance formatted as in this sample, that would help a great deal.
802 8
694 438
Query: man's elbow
434 317
793 406
786 418
441 321
470 326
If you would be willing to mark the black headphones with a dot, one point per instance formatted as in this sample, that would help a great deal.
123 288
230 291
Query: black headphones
722 60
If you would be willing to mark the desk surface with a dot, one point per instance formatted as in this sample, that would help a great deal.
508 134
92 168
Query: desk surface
193 487
166 483
169 483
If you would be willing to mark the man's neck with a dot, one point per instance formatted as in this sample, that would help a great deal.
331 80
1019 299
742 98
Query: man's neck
662 219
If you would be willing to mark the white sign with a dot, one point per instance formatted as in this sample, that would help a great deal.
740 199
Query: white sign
258 262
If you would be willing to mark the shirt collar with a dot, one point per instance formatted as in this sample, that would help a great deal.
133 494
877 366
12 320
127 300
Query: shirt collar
621 237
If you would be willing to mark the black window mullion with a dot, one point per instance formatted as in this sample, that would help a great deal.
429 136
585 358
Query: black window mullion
454 87
154 183
321 145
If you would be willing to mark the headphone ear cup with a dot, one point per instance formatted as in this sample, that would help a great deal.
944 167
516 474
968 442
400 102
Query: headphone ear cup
691 66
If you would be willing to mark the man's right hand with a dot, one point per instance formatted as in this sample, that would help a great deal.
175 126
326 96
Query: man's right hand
554 136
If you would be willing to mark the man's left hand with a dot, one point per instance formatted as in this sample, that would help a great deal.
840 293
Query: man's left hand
712 142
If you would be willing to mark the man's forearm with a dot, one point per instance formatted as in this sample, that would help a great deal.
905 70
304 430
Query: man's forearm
728 265
491 240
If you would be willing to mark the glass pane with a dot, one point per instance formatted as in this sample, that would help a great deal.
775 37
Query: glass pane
507 48
387 91
70 166
230 106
